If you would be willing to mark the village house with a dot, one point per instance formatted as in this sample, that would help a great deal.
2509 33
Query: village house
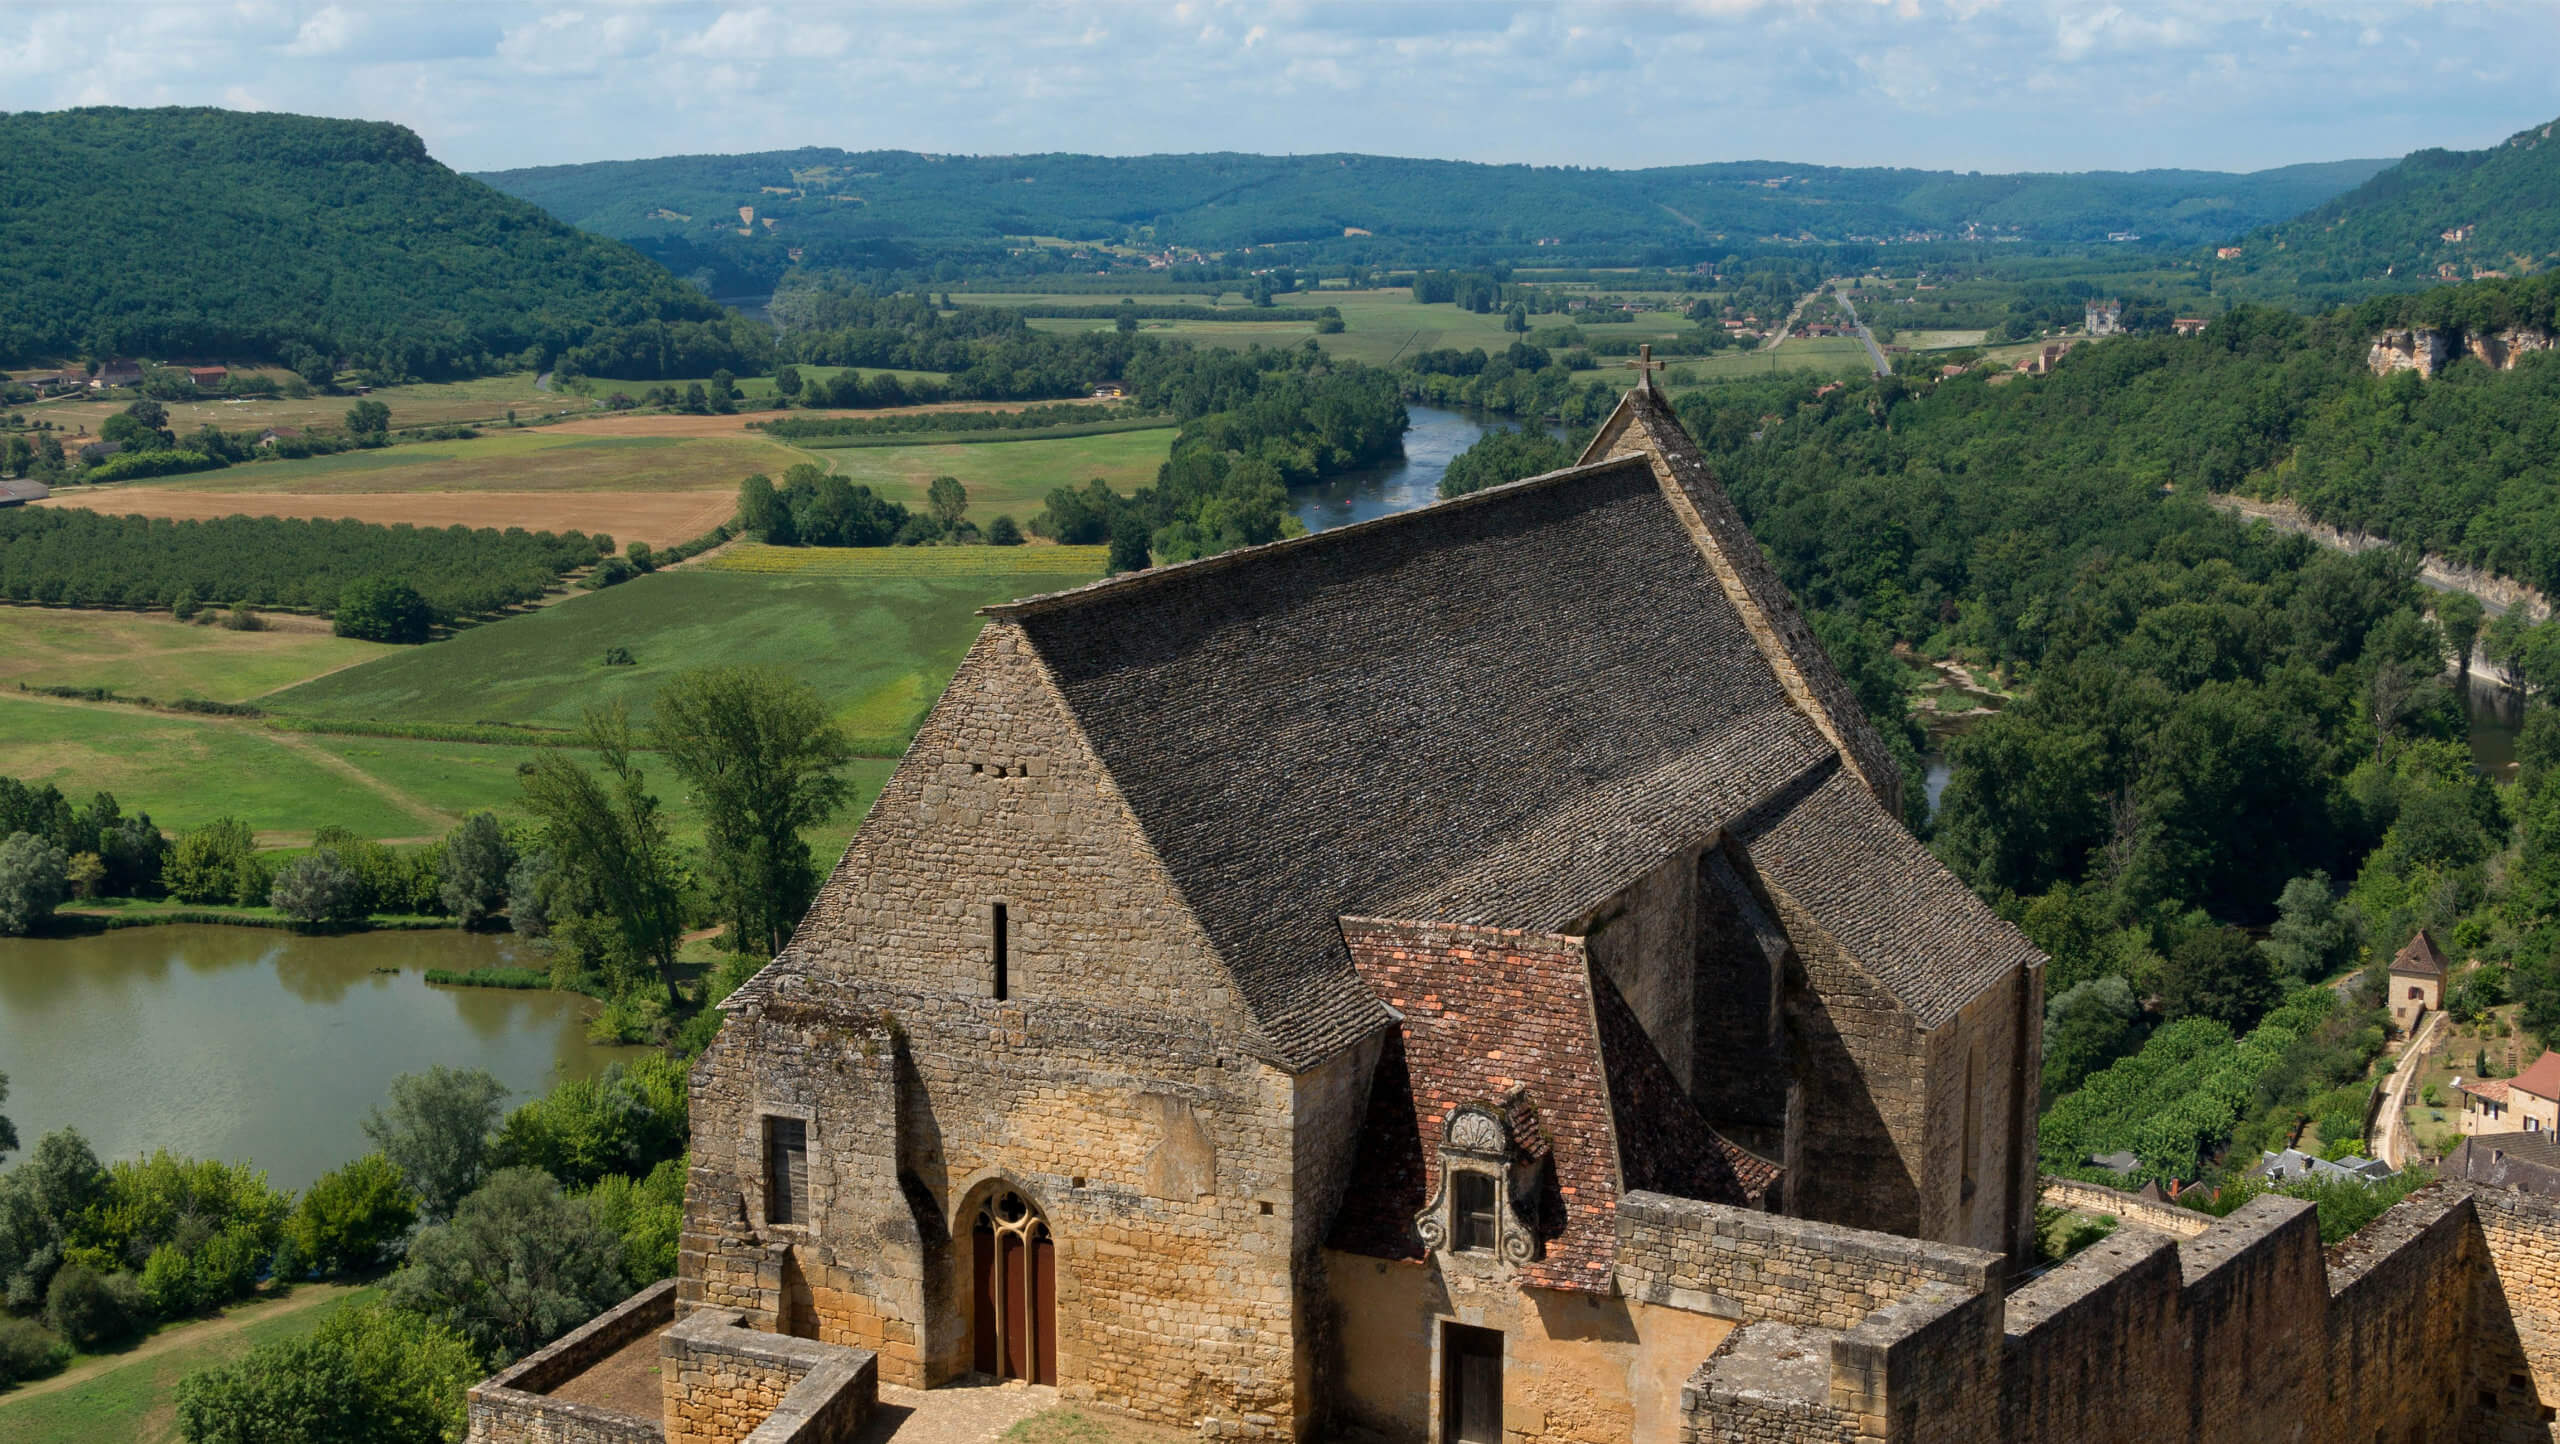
2527 1103
2417 982
2190 325
118 372
2103 318
208 378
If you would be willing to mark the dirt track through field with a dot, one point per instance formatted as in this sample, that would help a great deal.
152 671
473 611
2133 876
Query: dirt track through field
660 518
304 1296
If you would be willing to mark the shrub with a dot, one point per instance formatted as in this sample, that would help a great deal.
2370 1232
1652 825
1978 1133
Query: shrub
612 571
352 1218
518 1266
217 863
90 1308
241 618
316 888
618 657
626 1120
383 609
474 866
29 1350
372 1374
1004 531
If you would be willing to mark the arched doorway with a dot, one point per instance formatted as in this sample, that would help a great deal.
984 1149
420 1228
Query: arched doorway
1015 1335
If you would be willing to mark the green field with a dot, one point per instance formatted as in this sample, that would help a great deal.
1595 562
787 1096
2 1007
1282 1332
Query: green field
877 647
441 403
753 388
515 461
187 770
1833 355
150 654
1008 478
129 1399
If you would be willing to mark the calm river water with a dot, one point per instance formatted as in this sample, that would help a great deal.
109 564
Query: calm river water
249 1044
1437 435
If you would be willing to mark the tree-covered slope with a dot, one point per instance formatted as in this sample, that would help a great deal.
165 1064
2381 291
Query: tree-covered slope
2439 215
214 234
887 207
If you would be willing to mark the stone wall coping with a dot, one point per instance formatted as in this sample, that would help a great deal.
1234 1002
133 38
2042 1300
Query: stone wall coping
1896 1324
1972 1268
573 1353
814 1407
2253 1226
2092 1271
1767 1363
2423 1212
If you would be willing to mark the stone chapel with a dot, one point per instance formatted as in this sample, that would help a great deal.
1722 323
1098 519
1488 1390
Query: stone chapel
1255 993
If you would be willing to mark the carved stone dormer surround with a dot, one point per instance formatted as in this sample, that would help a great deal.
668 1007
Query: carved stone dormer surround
1477 1141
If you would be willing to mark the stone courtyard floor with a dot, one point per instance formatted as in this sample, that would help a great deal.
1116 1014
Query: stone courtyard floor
954 1413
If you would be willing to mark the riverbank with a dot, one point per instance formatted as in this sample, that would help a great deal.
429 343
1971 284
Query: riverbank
2496 593
98 915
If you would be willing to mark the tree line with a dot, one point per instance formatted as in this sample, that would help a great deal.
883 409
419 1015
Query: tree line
69 556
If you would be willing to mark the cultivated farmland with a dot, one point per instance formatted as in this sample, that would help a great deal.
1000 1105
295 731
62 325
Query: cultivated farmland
1007 477
149 654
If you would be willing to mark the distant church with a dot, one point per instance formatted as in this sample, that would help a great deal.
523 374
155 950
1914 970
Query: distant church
1327 986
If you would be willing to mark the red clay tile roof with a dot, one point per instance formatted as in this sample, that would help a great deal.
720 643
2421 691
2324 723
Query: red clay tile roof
2418 958
2542 1080
1507 1018
2493 1089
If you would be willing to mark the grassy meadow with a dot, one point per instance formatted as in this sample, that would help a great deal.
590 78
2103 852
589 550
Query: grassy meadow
439 403
508 460
129 1397
149 654
877 639
1007 477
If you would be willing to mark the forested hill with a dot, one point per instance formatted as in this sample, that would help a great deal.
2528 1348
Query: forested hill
885 207
217 235
2439 215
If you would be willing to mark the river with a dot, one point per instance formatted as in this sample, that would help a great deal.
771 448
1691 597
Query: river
1435 438
255 1045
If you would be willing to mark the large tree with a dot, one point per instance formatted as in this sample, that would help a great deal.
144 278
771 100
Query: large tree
369 1375
765 762
518 1266
436 1132
610 832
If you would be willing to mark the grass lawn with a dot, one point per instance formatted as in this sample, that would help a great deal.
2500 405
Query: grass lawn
149 654
879 646
130 1398
1008 477
187 770
1069 1425
514 461
754 388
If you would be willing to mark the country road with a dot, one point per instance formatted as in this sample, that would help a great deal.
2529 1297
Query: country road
1875 353
1789 324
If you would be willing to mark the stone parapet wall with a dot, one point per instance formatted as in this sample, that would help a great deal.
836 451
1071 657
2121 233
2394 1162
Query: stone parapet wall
1765 1384
726 1384
1737 1264
513 1407
2133 1208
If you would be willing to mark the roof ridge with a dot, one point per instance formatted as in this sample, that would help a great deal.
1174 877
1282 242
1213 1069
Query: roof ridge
1147 577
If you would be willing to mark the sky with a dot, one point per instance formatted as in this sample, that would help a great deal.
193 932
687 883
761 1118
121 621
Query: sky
1992 85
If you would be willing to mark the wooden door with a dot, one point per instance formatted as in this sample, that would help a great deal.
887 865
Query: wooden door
1044 1310
1470 1385
982 1275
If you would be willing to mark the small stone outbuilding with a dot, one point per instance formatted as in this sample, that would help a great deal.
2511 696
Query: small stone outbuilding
2417 982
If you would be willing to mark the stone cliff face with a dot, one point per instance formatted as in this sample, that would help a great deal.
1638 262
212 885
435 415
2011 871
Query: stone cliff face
2426 350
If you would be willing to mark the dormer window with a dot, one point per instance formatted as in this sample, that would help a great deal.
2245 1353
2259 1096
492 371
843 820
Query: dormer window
1488 1186
1472 1210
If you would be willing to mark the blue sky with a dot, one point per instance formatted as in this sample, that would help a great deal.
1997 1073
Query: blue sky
1953 84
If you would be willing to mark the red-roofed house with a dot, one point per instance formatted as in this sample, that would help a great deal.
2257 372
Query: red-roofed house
2527 1103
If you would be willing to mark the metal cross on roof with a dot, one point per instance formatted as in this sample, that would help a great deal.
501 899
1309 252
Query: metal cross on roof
1645 366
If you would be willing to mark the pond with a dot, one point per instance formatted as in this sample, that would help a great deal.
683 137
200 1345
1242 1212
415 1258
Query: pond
1403 482
256 1045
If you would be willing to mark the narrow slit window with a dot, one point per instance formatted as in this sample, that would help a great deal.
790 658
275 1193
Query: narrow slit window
1004 960
786 1177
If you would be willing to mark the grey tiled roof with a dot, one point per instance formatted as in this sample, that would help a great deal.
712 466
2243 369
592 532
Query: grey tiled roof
1347 721
1872 886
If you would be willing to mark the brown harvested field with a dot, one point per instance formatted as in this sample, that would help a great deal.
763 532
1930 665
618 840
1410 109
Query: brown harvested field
633 424
660 518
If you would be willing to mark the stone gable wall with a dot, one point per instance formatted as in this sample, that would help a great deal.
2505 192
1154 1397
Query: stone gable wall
1977 1061
1117 1086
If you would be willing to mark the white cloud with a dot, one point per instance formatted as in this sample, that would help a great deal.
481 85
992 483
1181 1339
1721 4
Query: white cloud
1964 84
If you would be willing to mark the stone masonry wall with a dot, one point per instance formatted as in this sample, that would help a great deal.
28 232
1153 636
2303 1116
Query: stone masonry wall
1116 1086
2515 1367
1738 1264
1857 1147
1978 1160
725 1384
513 1407
1645 942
